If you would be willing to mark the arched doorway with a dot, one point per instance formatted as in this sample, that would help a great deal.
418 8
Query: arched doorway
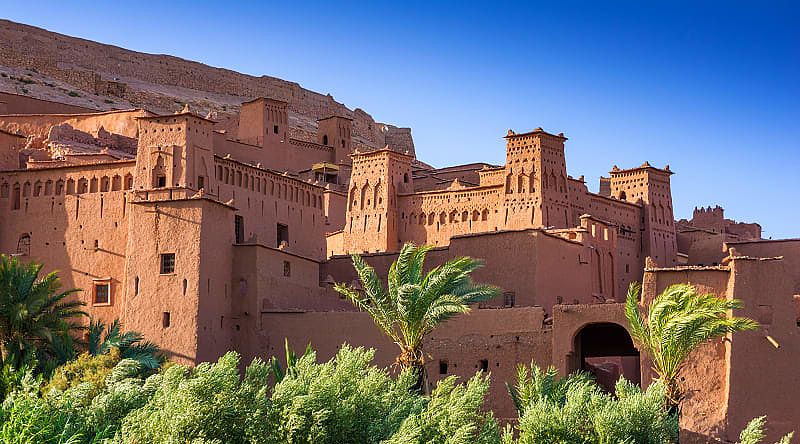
606 350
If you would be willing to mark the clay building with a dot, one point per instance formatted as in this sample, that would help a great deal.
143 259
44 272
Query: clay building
208 236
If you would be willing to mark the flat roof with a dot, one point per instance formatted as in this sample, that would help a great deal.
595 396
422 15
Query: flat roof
181 114
644 166
511 134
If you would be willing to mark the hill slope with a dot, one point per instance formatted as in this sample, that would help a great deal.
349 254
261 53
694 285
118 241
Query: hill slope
46 65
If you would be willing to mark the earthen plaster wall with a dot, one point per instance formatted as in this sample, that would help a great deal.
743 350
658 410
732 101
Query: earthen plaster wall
83 235
502 338
19 104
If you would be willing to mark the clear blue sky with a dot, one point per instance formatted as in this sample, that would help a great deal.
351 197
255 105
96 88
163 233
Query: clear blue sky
711 88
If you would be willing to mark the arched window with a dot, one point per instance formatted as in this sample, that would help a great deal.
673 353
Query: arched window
24 244
325 140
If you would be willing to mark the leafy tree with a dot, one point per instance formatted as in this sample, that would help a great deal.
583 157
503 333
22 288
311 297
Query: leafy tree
34 313
131 344
413 304
677 321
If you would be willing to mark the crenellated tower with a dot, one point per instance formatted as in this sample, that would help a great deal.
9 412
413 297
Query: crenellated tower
536 192
175 152
372 218
649 187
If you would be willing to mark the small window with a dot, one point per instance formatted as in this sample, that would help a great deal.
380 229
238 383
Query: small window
509 299
442 367
238 222
283 234
165 319
102 293
287 268
484 365
275 129
201 182
325 140
161 181
168 263
136 286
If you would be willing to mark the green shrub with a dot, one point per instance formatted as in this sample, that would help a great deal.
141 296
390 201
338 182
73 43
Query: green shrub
207 403
345 400
453 415
86 369
575 410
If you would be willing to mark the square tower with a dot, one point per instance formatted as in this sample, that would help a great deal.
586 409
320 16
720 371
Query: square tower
263 122
175 151
536 192
649 187
371 224
336 132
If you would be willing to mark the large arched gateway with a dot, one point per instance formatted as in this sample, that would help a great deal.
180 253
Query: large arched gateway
606 350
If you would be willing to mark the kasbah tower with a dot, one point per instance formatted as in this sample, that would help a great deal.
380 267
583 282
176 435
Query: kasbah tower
209 235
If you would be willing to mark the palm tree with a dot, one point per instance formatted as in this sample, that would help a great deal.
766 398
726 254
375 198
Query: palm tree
676 323
34 314
131 344
414 304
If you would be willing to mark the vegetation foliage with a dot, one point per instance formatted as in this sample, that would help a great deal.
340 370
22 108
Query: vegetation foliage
412 303
118 391
677 321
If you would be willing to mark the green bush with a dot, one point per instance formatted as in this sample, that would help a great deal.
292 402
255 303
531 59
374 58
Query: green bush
85 369
207 403
345 400
575 410
453 415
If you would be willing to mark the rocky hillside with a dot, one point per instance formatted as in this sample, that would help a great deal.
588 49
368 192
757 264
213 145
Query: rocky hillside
46 65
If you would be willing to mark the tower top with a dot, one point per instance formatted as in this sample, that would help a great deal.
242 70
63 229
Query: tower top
643 167
538 131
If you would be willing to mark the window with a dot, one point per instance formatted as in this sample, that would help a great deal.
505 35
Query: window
484 365
168 263
161 181
275 129
238 226
201 182
509 299
165 319
283 234
24 245
325 140
287 268
102 293
442 367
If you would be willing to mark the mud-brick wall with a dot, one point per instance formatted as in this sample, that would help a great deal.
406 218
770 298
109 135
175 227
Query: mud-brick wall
495 339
